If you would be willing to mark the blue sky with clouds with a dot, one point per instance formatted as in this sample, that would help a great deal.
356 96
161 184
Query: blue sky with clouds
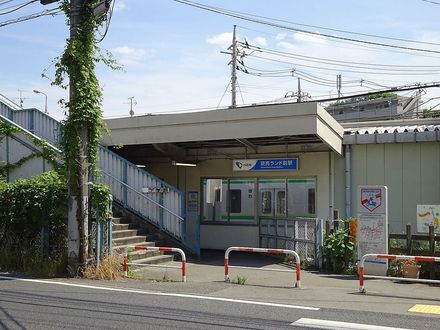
172 60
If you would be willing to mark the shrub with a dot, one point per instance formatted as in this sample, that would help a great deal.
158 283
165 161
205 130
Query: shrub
339 250
27 206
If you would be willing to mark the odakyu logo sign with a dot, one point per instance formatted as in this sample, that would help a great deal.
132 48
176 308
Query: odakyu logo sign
244 165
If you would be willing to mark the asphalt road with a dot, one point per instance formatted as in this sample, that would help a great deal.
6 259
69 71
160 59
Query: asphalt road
40 305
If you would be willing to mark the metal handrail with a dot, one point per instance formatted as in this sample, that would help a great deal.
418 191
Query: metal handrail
10 122
146 197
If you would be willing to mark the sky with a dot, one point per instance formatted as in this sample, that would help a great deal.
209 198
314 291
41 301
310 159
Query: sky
172 57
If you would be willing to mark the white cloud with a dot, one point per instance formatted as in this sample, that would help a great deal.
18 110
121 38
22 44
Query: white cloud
126 54
310 38
260 41
280 36
119 5
287 46
222 39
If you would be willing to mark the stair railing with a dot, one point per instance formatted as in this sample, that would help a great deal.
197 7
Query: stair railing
144 206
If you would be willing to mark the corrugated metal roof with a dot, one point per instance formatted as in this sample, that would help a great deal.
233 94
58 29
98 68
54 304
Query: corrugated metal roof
392 129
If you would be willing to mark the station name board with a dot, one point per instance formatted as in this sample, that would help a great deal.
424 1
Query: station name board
271 164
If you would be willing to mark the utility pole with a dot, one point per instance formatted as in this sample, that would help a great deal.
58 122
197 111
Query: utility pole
78 175
338 85
234 69
299 99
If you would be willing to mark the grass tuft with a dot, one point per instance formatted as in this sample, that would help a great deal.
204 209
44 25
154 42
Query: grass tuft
109 269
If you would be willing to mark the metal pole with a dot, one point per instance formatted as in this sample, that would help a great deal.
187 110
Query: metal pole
234 69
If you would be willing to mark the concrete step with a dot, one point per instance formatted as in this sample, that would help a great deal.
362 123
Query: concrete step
130 240
120 248
120 220
125 226
143 254
160 259
128 233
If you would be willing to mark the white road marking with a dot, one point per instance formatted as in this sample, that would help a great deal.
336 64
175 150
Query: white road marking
153 293
326 324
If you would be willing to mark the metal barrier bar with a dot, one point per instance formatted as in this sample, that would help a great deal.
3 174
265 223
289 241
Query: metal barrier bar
156 248
262 250
362 275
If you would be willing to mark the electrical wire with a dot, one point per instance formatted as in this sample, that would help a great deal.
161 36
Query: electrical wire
195 4
368 48
243 16
51 12
318 59
224 93
17 7
4 2
108 21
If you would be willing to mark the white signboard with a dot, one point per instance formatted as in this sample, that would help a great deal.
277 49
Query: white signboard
428 215
372 205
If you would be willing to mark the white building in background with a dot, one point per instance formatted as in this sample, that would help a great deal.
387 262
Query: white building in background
390 106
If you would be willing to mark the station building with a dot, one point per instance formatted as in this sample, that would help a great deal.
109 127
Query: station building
248 171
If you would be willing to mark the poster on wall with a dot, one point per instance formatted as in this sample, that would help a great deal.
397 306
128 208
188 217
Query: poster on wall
428 215
192 201
372 229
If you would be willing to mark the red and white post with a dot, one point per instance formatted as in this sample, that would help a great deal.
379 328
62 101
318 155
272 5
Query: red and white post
362 275
156 248
297 284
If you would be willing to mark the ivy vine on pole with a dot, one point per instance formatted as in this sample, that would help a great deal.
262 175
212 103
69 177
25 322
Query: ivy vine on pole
78 62
82 129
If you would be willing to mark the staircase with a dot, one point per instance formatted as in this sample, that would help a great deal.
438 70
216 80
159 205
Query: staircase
127 232
155 204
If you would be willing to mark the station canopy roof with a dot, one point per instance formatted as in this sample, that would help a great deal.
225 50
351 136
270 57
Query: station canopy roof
253 131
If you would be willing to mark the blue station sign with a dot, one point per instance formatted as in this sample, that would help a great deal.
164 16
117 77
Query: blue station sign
271 164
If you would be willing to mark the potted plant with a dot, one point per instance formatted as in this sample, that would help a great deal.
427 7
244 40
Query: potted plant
410 268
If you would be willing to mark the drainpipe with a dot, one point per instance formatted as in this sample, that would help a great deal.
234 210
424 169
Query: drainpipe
332 184
347 181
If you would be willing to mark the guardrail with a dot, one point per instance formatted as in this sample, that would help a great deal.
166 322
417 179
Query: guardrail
362 275
155 248
262 250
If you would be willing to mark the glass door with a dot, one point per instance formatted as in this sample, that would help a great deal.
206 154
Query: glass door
272 198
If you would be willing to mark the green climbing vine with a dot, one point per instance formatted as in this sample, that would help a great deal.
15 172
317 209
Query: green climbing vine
78 62
101 201
46 151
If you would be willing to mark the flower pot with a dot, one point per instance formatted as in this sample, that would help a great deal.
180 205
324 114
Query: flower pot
411 271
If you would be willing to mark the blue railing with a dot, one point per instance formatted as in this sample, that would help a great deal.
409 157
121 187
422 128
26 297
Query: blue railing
152 199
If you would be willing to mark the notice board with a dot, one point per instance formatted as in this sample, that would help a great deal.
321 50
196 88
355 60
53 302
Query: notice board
372 232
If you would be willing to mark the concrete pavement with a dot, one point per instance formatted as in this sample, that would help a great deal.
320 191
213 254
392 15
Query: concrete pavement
206 277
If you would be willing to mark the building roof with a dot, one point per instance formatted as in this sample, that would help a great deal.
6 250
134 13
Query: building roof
417 130
255 126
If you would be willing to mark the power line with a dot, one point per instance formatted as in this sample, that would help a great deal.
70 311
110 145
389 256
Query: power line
108 21
344 70
51 12
433 2
242 16
4 2
369 48
17 7
258 48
